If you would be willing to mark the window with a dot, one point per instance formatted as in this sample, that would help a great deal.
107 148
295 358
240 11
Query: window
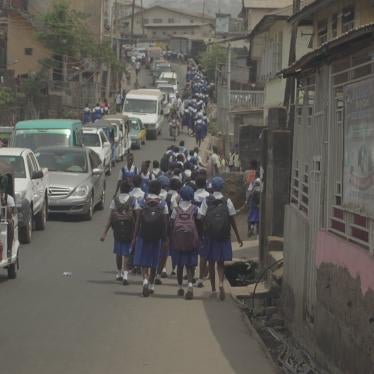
171 20
30 165
35 163
334 25
145 21
154 33
95 160
348 18
157 20
28 51
322 31
103 138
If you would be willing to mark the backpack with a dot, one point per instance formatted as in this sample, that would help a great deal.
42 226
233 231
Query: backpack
164 162
122 221
217 219
152 220
184 235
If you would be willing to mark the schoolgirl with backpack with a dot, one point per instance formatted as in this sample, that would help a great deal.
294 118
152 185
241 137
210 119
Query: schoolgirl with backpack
127 172
122 222
218 214
150 235
184 240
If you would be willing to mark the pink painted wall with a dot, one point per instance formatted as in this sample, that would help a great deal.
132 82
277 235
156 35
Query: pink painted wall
333 250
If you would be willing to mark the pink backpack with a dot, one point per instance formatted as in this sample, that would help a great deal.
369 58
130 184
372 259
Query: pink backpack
184 236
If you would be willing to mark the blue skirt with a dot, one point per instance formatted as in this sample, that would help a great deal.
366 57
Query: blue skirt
202 249
147 254
254 215
188 259
218 251
122 249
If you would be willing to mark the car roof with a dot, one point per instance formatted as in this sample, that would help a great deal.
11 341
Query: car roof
168 74
144 92
13 151
47 123
63 148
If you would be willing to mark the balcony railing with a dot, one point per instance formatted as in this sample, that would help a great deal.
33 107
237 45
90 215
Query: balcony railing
247 99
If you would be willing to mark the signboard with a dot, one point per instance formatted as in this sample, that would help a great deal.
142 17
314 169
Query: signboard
222 23
358 186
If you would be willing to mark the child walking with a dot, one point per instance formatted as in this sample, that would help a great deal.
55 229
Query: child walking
150 234
218 214
184 240
122 222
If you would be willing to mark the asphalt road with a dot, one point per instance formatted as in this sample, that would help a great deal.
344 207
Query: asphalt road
89 323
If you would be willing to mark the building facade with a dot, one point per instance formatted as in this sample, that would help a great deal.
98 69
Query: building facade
328 286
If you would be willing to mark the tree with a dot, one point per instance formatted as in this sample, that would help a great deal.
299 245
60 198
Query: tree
214 56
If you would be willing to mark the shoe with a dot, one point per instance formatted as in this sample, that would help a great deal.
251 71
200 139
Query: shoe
151 291
189 294
146 290
222 294
125 282
164 274
173 273
193 280
119 277
158 282
200 284
180 292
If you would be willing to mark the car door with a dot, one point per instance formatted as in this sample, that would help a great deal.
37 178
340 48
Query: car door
106 147
33 182
40 183
97 180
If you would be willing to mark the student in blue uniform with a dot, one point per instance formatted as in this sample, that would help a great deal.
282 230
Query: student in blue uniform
218 215
150 234
184 240
86 114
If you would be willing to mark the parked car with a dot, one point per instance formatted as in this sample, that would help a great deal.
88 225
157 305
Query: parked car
171 79
31 190
95 138
47 132
8 225
6 134
124 138
76 180
137 132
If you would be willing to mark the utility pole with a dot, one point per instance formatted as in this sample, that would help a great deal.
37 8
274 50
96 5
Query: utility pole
142 10
203 8
228 118
132 20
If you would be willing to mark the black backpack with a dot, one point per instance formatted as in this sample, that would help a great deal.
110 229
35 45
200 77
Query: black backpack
217 219
164 162
122 221
153 220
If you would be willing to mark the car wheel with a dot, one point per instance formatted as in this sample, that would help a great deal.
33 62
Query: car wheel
12 271
101 204
25 232
88 216
41 217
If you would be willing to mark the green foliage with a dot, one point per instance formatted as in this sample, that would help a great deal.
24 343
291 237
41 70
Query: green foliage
7 96
214 56
33 85
213 127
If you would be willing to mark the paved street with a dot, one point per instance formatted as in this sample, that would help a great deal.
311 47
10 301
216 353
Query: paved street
89 323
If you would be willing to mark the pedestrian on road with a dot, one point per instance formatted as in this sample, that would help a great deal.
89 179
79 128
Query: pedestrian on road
213 163
86 114
145 174
218 214
97 113
122 222
137 192
184 241
253 202
119 101
127 172
150 234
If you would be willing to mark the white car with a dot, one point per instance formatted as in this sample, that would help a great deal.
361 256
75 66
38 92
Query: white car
31 190
95 139
171 79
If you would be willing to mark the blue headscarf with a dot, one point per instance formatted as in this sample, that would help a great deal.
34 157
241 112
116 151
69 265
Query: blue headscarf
217 183
186 193
164 181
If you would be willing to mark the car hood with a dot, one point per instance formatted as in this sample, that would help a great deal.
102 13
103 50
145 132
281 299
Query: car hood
68 180
145 118
134 132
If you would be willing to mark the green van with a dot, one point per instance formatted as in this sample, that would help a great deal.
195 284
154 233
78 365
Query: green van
47 132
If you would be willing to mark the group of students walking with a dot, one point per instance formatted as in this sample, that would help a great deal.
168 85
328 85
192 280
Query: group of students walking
169 210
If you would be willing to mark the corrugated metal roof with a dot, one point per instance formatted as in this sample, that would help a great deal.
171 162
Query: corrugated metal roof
266 4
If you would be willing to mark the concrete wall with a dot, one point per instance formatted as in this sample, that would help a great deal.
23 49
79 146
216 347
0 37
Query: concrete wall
344 322
21 35
249 144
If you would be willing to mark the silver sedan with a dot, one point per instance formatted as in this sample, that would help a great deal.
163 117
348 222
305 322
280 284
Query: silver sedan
76 180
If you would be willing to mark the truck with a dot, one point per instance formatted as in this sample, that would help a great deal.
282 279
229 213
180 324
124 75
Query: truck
31 190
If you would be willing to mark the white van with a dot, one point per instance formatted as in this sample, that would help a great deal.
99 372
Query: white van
147 105
171 79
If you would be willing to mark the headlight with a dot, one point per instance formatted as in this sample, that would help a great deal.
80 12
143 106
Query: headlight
81 191
20 196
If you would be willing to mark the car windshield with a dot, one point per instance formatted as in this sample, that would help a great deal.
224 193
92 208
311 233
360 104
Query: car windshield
64 161
134 125
35 138
91 140
17 163
140 106
166 89
172 81
164 68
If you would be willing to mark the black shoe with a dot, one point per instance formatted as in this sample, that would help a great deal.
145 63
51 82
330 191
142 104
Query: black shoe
151 291
200 284
125 282
158 282
146 290
180 292
222 294
189 294
164 275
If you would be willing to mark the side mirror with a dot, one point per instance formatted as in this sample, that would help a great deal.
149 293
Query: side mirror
37 175
97 171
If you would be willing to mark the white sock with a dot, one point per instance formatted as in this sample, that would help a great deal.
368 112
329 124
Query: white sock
164 270
189 285
145 282
152 287
125 274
